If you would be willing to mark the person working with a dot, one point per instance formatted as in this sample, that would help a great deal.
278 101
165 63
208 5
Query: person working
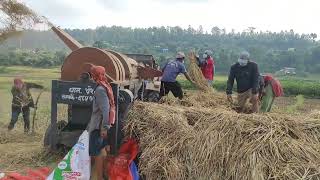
103 116
207 66
21 102
246 74
170 72
269 89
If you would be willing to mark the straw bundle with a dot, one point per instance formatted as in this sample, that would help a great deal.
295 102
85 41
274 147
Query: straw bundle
198 142
196 74
15 17
208 99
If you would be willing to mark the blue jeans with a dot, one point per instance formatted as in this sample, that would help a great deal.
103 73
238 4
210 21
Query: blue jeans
15 115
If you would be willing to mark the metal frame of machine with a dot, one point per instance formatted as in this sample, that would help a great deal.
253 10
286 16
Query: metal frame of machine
151 87
79 97
126 75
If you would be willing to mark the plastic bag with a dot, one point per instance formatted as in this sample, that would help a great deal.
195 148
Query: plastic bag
76 165
119 166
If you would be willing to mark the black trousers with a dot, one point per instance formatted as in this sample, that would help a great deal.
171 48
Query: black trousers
174 87
15 114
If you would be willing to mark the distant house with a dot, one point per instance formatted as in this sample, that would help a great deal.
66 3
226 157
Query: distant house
165 50
291 49
288 71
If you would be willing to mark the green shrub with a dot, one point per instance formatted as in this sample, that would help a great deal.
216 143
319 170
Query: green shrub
291 87
296 87
299 103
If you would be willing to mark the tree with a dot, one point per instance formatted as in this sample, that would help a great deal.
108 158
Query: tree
190 30
268 49
98 44
313 36
215 31
200 30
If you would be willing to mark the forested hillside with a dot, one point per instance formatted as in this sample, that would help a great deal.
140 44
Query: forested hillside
271 50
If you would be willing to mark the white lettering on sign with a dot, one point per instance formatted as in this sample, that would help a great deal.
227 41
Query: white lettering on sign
89 90
83 98
67 97
75 90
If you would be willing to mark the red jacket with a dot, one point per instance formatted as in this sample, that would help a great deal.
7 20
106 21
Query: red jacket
208 69
276 85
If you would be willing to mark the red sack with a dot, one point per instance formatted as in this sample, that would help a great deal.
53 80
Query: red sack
276 85
38 174
17 176
118 166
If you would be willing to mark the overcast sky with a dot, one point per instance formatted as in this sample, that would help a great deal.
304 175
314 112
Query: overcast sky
274 15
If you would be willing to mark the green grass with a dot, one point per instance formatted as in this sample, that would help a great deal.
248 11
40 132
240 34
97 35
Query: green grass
299 103
29 74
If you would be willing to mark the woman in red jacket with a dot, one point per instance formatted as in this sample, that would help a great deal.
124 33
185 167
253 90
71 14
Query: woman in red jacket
207 66
270 88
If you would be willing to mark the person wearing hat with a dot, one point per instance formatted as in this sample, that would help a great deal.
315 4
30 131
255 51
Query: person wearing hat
102 118
246 73
207 66
170 72
21 102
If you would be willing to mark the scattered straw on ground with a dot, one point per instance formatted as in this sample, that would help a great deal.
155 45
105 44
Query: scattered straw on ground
315 114
20 151
202 138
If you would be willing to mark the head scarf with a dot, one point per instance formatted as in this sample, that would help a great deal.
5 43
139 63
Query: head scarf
98 75
18 83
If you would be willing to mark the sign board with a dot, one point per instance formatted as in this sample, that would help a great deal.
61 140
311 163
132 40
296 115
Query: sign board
73 92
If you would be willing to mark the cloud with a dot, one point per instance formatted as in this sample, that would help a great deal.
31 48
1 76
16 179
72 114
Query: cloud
183 1
227 14
114 5
65 13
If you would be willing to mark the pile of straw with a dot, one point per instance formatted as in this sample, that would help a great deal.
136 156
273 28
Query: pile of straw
207 99
315 114
214 142
196 74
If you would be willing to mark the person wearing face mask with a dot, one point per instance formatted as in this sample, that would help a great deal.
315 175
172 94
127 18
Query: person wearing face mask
21 102
246 73
170 72
207 66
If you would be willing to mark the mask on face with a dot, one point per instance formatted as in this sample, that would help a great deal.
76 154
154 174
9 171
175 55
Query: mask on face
181 60
242 62
204 56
